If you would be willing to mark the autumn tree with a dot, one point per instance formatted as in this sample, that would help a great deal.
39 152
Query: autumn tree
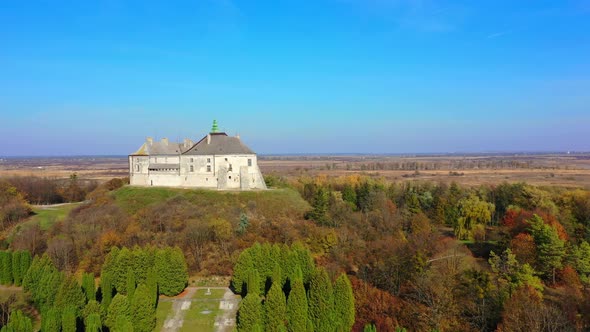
472 211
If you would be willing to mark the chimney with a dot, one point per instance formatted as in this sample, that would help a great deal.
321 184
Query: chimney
208 138
165 141
149 140
188 143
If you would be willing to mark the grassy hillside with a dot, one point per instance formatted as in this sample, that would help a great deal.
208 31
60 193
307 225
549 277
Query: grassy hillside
279 202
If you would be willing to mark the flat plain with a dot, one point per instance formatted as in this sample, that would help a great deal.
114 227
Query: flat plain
570 170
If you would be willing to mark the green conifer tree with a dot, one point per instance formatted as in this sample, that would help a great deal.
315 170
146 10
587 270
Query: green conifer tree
93 323
68 319
51 320
119 307
343 304
70 294
171 270
152 286
123 262
321 301
25 262
297 307
18 322
6 272
16 268
106 289
243 267
92 307
123 324
89 286
143 313
250 314
275 307
130 284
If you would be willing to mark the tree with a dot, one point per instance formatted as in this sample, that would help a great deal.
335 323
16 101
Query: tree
243 224
550 248
297 313
143 313
319 212
93 323
92 307
16 268
249 317
275 307
321 301
123 324
51 320
581 260
130 283
151 283
6 267
370 328
343 304
70 295
88 286
106 289
68 319
472 211
25 263
18 322
171 270
243 267
119 307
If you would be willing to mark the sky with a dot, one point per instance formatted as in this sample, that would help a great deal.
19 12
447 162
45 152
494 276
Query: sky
295 77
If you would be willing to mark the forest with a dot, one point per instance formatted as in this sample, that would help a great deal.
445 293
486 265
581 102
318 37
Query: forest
418 255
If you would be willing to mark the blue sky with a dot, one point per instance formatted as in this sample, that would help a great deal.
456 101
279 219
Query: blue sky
373 76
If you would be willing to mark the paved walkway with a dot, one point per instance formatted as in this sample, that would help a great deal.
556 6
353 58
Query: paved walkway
224 322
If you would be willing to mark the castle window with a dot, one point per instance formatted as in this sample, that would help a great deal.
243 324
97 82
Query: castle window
191 160
208 160
249 162
225 159
230 168
230 177
208 168
137 168
192 168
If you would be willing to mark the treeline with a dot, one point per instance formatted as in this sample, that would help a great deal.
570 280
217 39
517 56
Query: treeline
126 299
394 236
284 291
38 190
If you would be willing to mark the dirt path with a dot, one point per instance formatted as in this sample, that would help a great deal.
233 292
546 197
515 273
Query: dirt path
175 319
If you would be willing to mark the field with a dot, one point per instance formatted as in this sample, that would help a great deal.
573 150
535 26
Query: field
571 170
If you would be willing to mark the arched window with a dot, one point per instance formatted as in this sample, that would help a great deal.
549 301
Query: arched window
137 168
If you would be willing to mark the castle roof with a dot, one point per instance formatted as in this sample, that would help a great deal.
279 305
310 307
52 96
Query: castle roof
219 144
162 148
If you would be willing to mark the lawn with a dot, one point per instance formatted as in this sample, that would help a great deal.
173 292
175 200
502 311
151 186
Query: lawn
203 310
163 310
46 217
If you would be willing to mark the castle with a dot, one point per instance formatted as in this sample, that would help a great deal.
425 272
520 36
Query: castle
217 161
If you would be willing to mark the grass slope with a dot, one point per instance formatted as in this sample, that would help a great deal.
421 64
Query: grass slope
267 202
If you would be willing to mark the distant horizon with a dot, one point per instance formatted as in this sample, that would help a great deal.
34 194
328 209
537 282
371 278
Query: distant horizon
96 78
343 154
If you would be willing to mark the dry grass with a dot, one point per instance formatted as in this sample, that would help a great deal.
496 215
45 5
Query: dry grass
543 169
